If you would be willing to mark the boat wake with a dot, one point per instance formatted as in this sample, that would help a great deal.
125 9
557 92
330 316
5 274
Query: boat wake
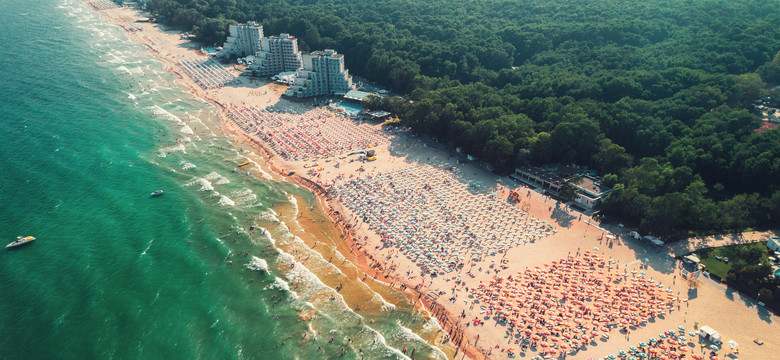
147 247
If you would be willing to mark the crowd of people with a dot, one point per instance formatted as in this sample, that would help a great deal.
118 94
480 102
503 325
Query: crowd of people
315 134
436 218
208 73
561 306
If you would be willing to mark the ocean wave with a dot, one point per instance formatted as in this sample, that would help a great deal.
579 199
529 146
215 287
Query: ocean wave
157 110
386 306
280 284
257 264
171 149
205 185
407 335
217 178
186 166
225 201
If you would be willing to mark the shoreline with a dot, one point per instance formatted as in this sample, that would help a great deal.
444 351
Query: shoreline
358 238
363 261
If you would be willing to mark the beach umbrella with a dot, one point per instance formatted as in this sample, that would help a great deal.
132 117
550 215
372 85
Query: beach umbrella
632 348
622 353
682 328
653 340
642 344
682 338
642 355
612 356
691 333
714 347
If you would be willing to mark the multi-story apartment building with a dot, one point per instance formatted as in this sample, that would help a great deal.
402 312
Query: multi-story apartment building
244 40
277 54
323 73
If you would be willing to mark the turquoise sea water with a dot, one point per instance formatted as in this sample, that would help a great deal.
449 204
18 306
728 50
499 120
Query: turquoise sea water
91 124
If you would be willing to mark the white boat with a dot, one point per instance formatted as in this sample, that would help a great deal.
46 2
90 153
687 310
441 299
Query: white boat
21 241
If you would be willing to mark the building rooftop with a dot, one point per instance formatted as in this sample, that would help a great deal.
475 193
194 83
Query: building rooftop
378 113
357 95
592 186
548 176
327 52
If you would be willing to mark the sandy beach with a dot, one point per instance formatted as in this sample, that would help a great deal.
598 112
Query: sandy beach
421 221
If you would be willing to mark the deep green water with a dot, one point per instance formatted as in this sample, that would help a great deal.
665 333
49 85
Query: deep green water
91 125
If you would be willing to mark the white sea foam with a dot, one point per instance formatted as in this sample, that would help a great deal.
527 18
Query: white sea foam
386 306
432 325
186 166
241 193
216 178
408 335
280 284
205 185
268 235
383 343
186 130
263 174
157 110
257 264
225 201
268 215
172 149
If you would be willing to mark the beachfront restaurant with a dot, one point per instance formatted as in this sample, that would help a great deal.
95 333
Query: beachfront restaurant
590 192
534 176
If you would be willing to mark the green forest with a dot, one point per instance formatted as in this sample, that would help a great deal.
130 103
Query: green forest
657 95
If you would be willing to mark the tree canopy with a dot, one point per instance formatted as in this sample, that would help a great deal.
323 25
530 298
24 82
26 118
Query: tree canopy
653 93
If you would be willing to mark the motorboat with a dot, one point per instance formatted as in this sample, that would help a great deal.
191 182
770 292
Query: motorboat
21 241
158 193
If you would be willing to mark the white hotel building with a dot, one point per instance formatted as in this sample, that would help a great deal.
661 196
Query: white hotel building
244 40
323 73
277 54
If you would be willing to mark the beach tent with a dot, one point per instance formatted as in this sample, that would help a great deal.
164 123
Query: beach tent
710 334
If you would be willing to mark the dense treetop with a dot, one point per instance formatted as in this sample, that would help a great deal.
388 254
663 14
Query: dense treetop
656 94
